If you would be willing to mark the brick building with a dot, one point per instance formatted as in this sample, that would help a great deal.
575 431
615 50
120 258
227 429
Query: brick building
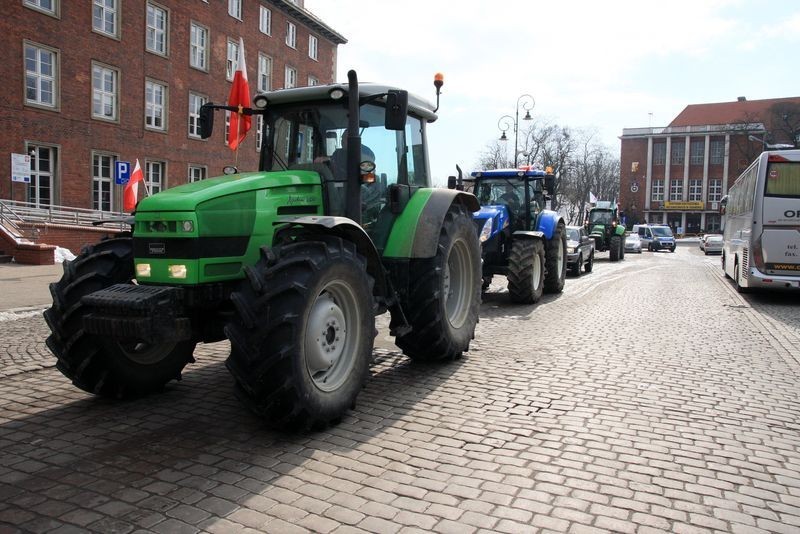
677 174
87 83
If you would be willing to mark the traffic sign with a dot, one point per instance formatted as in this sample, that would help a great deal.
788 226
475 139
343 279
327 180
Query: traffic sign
122 172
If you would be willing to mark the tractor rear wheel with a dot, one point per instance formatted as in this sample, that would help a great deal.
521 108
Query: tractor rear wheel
621 247
526 271
97 364
614 244
444 293
556 260
303 332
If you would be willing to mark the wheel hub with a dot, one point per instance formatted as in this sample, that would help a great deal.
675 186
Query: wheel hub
326 334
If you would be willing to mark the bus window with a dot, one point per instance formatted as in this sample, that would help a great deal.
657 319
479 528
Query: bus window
783 179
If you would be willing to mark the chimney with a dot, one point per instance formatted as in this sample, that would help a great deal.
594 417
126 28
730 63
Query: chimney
741 99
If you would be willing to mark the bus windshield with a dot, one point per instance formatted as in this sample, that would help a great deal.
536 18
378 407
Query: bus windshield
783 179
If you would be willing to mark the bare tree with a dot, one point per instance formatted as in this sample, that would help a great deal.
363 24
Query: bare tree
494 156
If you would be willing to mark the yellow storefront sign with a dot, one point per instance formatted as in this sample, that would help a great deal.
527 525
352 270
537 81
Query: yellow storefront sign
691 205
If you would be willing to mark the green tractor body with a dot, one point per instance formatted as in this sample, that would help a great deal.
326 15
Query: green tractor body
604 228
290 263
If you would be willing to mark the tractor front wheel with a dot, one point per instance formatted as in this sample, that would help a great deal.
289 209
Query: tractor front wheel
303 331
556 261
614 245
444 293
526 271
97 364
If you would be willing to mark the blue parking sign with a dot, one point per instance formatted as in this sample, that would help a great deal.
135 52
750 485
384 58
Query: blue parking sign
122 172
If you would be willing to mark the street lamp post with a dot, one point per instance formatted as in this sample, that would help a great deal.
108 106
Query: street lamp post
507 121
768 146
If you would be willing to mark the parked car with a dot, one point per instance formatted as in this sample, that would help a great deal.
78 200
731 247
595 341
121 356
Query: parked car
704 238
633 243
580 250
656 237
713 244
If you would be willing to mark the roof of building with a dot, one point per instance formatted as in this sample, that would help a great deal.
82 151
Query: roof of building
728 112
307 17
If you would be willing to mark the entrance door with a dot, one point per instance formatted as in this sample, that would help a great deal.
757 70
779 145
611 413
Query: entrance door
43 159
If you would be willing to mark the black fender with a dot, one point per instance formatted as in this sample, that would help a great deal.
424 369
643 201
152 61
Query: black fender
346 229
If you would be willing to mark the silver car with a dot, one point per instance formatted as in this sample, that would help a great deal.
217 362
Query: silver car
713 244
633 243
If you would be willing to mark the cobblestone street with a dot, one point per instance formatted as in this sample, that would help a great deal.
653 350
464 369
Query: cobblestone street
648 397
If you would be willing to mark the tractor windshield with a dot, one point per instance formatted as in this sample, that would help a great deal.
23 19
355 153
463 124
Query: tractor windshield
600 217
313 136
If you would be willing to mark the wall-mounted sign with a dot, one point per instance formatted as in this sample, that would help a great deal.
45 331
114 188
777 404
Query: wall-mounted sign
634 187
21 168
680 205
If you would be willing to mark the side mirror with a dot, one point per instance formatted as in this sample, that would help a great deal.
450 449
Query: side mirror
206 120
451 182
396 109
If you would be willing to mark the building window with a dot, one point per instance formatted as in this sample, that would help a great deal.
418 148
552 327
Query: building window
155 103
105 87
313 47
659 153
43 167
47 6
264 73
678 152
713 223
695 190
41 78
197 173
235 9
676 190
104 17
195 102
155 176
233 56
198 46
291 35
697 155
259 126
717 150
265 20
290 78
312 81
102 181
715 190
658 191
157 23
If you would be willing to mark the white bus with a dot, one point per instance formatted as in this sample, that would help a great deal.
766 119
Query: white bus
762 224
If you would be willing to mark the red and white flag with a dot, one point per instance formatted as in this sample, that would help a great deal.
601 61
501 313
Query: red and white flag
239 97
130 196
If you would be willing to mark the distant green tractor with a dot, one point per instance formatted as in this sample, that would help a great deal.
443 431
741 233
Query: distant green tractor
290 263
603 226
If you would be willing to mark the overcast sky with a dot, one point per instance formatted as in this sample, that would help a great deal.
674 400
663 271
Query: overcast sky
589 64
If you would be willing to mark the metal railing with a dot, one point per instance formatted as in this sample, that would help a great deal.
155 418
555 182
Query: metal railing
13 214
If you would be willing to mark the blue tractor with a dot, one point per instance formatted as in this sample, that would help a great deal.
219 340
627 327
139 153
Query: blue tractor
519 237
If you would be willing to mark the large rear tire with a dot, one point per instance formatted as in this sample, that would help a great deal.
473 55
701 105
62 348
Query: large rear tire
526 271
621 248
97 364
614 244
444 293
556 260
303 332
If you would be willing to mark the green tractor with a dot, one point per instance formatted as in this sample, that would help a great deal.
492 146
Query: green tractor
291 263
603 226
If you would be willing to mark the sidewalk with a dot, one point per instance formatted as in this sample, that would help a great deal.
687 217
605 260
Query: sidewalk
25 286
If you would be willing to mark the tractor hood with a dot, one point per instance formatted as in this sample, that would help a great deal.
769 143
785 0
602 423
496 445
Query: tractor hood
189 196
490 212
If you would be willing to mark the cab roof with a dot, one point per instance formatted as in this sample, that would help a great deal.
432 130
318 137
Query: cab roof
416 105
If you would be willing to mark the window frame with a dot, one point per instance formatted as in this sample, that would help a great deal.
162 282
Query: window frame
264 10
676 189
192 166
155 6
677 153
117 75
657 193
715 189
695 190
286 72
697 151
312 81
313 48
659 155
34 5
192 45
238 5
164 105
110 180
117 22
53 175
148 163
56 77
230 62
716 157
291 34
196 116
261 59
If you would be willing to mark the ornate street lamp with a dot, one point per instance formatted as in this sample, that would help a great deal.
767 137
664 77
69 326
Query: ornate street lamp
527 102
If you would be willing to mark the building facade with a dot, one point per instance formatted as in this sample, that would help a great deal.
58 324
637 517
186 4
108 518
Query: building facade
90 83
678 174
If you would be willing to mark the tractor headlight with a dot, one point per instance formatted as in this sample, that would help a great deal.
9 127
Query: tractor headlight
143 270
486 231
177 271
188 226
